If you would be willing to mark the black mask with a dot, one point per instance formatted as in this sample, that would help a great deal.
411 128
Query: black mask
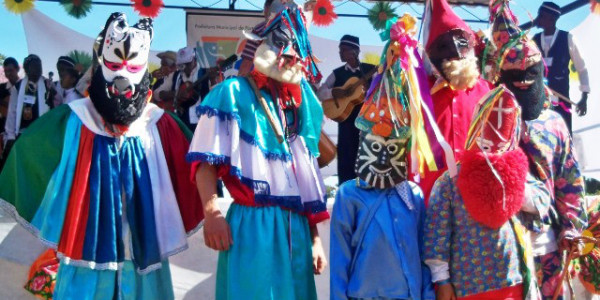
455 44
121 109
381 162
531 98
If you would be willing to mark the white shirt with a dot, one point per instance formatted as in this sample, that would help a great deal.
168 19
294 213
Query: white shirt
12 128
69 95
59 97
547 42
191 78
167 85
324 91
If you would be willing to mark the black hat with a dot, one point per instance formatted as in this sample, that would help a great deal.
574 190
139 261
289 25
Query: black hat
65 61
551 8
351 41
29 59
10 61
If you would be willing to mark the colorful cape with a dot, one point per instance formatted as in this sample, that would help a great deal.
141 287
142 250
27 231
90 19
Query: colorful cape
233 133
78 189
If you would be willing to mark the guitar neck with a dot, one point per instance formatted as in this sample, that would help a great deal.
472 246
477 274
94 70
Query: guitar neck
363 79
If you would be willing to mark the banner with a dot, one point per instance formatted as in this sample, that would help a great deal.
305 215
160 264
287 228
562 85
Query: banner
219 33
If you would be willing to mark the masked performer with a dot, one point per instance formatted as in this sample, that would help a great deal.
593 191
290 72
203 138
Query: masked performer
548 145
456 89
377 222
260 135
475 245
104 179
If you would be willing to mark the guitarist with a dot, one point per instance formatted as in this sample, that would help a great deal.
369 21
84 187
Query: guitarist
163 90
187 97
347 133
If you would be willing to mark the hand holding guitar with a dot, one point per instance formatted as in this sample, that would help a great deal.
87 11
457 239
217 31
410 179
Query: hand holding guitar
346 97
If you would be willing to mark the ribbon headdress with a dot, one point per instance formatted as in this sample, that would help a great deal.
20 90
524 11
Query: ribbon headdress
394 105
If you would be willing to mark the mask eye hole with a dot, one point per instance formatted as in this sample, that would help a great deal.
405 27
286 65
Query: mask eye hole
461 42
485 144
376 147
392 149
113 66
134 68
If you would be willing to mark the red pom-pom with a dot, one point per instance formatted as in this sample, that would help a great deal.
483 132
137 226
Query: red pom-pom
148 8
482 192
323 14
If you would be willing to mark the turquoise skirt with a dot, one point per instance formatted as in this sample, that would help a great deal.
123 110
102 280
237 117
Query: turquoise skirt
86 284
271 256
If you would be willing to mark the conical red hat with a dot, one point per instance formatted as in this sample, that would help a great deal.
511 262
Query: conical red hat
443 19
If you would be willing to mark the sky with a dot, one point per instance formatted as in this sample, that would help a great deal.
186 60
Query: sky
170 33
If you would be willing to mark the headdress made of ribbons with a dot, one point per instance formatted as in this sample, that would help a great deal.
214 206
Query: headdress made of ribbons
286 32
509 47
398 103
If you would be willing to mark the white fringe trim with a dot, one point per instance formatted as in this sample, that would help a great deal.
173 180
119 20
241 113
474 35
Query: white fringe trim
12 212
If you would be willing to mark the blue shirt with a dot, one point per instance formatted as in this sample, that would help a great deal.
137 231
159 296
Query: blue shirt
387 263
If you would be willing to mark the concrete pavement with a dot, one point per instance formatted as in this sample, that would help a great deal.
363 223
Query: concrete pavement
193 270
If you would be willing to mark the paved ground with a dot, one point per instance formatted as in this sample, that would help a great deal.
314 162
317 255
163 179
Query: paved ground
193 270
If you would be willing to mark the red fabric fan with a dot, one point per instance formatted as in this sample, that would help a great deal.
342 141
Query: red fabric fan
148 8
323 14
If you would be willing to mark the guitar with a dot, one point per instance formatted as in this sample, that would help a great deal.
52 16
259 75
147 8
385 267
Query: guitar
346 97
186 89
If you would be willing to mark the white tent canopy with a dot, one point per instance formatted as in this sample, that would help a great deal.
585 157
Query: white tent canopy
50 39
586 130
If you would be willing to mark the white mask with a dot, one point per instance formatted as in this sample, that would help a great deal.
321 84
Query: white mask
125 50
